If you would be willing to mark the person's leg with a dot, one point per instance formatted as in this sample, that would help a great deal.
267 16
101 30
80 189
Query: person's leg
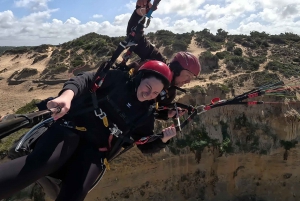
52 150
81 174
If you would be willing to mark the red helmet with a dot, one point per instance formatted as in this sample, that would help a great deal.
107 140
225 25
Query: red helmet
159 68
188 62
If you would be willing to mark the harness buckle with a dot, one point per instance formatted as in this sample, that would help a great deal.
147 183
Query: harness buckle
115 130
202 108
68 124
101 114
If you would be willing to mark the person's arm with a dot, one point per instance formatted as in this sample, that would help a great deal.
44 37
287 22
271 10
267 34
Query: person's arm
144 49
77 86
165 114
156 145
142 3
82 82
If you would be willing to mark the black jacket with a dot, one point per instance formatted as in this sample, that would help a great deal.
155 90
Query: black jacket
145 50
122 92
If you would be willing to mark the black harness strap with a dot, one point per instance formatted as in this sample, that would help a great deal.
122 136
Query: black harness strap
118 110
124 138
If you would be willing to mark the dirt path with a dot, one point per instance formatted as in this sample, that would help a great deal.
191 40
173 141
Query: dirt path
194 83
194 48
12 97
243 48
263 65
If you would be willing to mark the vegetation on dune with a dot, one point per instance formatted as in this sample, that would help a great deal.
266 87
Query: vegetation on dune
172 42
5 48
240 53
210 41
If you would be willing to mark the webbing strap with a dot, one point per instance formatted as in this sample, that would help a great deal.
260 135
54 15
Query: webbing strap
126 139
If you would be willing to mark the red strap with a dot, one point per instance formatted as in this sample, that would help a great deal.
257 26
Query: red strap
142 142
109 140
215 100
109 144
103 149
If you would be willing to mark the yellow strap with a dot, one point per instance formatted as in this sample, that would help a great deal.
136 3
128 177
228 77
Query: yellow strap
106 164
80 128
131 71
156 106
105 121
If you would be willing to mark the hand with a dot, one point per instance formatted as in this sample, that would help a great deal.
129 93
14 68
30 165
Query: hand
168 133
63 102
143 4
181 112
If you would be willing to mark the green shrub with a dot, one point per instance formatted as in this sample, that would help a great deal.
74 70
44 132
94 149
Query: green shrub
277 39
210 60
197 90
264 77
250 44
288 144
273 65
222 55
265 43
296 60
230 46
224 88
17 50
238 51
29 107
77 61
39 58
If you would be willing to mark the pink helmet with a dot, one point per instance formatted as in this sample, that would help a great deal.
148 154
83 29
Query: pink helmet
158 67
188 62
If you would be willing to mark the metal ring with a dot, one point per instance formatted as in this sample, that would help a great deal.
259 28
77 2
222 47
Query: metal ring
58 109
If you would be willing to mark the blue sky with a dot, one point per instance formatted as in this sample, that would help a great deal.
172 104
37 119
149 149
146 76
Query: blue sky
35 22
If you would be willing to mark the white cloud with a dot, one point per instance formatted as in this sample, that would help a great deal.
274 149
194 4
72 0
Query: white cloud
33 4
271 28
180 7
289 10
38 16
72 21
97 16
185 25
269 15
131 5
122 19
277 3
6 19
159 24
251 18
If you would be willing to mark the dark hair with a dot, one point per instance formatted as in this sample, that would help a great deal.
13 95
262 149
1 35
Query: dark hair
145 75
176 68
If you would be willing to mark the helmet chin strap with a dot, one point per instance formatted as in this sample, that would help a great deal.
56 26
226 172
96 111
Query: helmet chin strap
173 81
176 70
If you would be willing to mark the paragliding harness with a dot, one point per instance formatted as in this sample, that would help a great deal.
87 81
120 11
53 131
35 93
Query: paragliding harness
121 136
130 41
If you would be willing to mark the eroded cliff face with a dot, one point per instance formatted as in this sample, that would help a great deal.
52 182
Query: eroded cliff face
262 163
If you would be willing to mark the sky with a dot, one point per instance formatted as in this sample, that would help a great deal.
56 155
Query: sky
36 22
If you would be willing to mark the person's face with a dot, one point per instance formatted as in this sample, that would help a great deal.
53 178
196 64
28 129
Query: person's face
149 89
184 78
